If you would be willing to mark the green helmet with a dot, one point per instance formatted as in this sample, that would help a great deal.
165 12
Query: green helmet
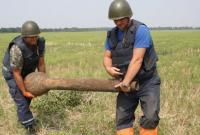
119 9
30 29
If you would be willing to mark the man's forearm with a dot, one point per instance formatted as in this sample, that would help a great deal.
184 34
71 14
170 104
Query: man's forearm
19 81
135 64
107 63
42 68
133 69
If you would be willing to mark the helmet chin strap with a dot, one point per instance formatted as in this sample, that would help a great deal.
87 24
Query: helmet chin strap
130 23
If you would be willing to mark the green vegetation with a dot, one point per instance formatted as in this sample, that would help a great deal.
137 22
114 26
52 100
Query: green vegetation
78 55
76 29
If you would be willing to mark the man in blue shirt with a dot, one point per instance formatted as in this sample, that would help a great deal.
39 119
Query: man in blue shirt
130 56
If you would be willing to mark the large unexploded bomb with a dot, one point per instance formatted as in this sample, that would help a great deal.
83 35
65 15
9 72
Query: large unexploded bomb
39 83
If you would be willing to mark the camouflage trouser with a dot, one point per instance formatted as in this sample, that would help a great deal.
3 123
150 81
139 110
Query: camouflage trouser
24 114
149 97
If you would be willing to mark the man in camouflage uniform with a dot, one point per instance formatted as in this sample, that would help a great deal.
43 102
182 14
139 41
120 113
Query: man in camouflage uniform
24 55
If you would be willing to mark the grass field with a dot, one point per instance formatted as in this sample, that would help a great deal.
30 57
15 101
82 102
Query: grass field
79 54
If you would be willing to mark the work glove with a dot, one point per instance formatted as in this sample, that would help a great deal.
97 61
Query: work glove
123 87
28 94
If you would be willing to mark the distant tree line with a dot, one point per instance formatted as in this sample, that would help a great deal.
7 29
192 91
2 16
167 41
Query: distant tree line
74 29
175 28
9 30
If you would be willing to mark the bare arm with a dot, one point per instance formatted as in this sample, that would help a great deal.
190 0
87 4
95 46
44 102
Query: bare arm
135 64
133 69
41 66
20 83
107 62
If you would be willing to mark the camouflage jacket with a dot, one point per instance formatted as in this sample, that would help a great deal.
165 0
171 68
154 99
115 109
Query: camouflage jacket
16 59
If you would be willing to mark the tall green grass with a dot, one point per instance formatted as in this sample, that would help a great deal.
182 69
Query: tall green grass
79 55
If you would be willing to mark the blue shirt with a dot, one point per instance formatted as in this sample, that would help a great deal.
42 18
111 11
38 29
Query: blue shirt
142 38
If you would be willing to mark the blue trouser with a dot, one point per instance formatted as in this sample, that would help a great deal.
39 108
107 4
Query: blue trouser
23 111
149 97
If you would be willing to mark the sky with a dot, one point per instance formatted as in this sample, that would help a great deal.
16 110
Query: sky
94 13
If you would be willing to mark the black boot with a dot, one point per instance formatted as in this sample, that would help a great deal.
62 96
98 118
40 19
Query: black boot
31 130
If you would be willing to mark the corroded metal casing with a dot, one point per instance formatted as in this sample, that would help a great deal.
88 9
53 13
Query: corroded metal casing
39 83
